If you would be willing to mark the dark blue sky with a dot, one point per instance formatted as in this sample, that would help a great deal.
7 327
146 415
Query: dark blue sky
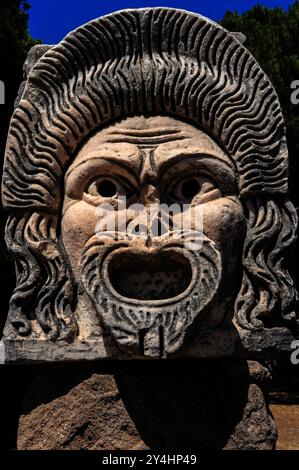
51 20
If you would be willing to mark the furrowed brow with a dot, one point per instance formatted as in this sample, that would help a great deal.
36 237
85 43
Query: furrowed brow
147 136
184 156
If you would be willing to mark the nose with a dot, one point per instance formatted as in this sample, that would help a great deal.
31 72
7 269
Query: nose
151 228
149 193
150 220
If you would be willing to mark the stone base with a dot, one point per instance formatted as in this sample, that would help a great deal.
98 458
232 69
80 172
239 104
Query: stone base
210 405
222 343
91 415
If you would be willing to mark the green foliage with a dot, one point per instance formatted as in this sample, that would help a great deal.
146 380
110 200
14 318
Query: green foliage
15 42
272 37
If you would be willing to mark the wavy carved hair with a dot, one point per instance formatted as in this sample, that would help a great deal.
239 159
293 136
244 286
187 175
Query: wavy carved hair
268 296
147 61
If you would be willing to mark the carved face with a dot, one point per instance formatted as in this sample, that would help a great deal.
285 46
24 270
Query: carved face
149 279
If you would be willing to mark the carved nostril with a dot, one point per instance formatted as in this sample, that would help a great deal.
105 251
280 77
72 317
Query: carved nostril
159 227
148 276
138 229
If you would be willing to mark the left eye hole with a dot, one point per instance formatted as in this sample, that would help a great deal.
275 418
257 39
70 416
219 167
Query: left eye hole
187 188
106 187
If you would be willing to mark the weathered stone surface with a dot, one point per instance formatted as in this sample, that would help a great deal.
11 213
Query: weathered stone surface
223 342
287 420
144 406
146 178
89 416
122 114
35 53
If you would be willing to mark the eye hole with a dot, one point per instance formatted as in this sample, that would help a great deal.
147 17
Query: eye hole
105 187
188 188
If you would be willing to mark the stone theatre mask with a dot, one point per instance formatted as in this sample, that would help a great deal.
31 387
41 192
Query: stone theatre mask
147 108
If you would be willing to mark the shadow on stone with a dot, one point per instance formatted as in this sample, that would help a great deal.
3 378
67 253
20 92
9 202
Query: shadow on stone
183 407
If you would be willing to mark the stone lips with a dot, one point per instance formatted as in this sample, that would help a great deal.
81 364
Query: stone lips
153 328
145 61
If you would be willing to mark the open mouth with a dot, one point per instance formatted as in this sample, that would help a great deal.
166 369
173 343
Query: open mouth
148 276
147 298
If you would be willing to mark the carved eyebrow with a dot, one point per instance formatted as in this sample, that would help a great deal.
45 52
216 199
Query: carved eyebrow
166 165
121 163
147 136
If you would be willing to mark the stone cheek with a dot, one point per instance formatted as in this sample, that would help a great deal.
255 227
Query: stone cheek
78 225
225 224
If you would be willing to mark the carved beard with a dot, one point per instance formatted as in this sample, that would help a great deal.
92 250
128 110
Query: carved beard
148 297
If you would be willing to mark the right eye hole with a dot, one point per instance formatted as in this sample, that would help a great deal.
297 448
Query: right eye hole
104 188
189 188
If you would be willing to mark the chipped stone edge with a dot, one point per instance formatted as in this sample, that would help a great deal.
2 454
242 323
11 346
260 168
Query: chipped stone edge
222 344
2 352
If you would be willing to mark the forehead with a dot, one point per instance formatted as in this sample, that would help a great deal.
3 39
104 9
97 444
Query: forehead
165 136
